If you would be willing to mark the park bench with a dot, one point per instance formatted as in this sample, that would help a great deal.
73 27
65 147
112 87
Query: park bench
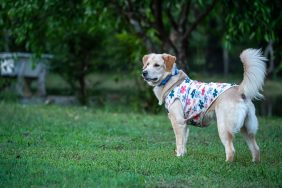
25 67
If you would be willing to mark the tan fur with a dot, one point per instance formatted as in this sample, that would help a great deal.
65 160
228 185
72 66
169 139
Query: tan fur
161 93
233 110
169 61
145 59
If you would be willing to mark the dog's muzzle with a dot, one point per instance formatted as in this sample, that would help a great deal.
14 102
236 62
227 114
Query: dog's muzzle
146 78
144 74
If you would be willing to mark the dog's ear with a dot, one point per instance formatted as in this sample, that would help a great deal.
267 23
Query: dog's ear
145 59
169 61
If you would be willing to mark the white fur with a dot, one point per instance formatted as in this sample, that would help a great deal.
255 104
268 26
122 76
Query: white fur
251 122
231 114
254 73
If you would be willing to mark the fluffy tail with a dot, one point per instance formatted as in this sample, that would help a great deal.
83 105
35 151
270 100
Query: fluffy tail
254 73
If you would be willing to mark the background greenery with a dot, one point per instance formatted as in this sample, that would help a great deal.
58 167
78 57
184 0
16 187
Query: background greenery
90 37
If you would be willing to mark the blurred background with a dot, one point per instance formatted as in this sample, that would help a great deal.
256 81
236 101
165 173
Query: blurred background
89 53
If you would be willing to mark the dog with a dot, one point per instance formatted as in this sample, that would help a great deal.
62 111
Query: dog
190 102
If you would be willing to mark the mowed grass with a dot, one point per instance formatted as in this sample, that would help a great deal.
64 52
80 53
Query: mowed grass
51 146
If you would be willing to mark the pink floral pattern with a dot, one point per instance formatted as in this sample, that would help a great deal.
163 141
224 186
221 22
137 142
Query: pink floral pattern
183 89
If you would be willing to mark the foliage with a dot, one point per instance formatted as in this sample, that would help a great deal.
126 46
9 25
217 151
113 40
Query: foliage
100 36
66 29
256 22
251 19
85 147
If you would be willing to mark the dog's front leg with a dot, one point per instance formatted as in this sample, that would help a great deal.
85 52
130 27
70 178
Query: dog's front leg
180 128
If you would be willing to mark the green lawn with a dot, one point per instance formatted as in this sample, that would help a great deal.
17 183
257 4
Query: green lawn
51 146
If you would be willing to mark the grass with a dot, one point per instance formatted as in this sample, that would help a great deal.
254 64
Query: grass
51 146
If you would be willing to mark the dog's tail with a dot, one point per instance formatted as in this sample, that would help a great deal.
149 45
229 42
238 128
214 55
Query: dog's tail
254 73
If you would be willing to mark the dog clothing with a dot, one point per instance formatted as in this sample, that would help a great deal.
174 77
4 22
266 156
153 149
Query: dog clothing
196 97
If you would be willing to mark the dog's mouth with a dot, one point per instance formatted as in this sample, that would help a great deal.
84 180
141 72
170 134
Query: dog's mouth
150 79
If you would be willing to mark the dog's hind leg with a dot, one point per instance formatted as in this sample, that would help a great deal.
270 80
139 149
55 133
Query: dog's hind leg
230 117
225 134
180 128
249 130
226 138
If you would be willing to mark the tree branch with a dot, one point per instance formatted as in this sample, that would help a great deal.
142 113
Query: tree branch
159 25
138 15
157 12
135 21
184 15
172 21
199 19
171 18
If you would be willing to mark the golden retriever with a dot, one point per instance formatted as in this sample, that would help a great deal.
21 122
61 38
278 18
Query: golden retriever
193 102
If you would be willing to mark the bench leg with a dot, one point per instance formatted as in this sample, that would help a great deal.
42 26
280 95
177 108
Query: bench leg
41 90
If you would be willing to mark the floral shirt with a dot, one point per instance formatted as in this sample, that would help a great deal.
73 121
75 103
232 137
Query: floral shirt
196 97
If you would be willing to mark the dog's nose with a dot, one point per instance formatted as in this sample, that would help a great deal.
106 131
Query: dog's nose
145 73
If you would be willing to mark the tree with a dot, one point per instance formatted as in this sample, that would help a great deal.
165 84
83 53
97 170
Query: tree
253 20
169 25
259 21
165 25
67 29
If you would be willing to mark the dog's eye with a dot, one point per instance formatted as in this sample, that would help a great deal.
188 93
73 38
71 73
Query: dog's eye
156 65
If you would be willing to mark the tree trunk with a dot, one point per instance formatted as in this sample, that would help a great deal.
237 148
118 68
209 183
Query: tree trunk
183 56
225 61
82 93
269 54
82 96
6 40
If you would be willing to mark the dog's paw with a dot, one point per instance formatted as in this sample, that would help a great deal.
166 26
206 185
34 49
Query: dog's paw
256 160
180 152
180 155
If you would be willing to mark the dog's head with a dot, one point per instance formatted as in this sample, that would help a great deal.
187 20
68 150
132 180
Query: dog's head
156 67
